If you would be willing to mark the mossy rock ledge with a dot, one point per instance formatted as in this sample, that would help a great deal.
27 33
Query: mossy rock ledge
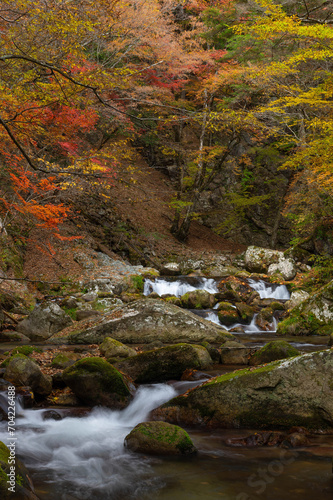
165 363
114 350
159 438
281 394
22 485
23 371
314 316
96 382
144 321
277 349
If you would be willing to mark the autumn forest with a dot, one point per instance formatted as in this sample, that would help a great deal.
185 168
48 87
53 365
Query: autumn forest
230 99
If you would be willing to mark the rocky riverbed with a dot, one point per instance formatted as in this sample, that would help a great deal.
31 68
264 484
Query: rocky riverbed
226 332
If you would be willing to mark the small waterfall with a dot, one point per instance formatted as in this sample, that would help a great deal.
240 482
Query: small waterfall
269 290
180 286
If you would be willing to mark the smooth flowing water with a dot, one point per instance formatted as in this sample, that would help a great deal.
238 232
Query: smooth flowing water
85 459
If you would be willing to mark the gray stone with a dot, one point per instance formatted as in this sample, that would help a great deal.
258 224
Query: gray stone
296 298
283 394
166 363
22 371
44 321
144 321
258 259
111 349
171 269
285 267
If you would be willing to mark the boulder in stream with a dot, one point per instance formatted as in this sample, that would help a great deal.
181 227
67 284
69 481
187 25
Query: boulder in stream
235 289
166 363
96 382
145 321
159 438
282 394
198 299
277 349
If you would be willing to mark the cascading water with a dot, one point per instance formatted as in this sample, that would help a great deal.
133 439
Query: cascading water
269 290
180 286
86 455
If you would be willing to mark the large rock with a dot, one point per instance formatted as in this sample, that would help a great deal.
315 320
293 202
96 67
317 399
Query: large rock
22 371
159 438
227 314
296 298
283 394
44 321
198 299
11 487
313 316
264 260
257 259
144 321
235 289
277 349
166 363
95 382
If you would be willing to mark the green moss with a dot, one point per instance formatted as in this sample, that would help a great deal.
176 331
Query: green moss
71 312
278 349
26 350
138 283
164 433
7 361
107 375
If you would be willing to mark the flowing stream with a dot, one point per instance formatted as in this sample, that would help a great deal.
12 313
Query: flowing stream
84 458
251 333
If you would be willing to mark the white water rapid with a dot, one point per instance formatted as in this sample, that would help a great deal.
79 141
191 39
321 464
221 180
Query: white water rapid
85 457
180 286
269 290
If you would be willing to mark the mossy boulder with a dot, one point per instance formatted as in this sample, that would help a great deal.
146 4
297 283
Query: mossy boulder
172 300
64 360
234 353
19 481
96 382
281 394
235 289
245 312
23 371
159 438
313 316
198 299
227 314
114 350
277 349
166 363
265 318
145 321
